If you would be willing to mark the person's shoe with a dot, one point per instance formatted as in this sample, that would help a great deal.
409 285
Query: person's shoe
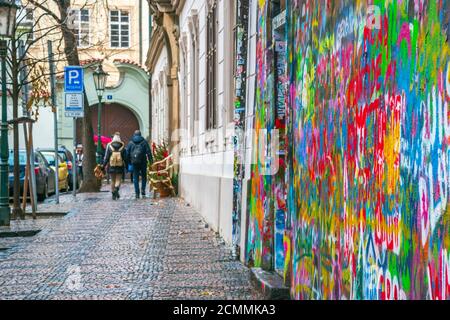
117 193
114 195
137 196
143 194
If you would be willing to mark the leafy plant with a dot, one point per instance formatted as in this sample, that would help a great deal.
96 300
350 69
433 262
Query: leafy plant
159 152
175 183
160 172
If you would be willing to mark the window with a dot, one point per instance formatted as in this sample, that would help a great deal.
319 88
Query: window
193 59
119 29
211 83
194 83
155 106
81 27
26 23
232 34
38 159
162 114
22 158
184 86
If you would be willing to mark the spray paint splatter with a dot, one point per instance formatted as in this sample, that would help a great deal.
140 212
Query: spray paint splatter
369 150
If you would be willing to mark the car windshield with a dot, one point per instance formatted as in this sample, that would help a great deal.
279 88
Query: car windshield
67 155
63 155
22 158
50 157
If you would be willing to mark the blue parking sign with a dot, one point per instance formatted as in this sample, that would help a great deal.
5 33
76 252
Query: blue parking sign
73 79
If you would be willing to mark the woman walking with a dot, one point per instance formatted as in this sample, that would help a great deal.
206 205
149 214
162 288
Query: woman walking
115 158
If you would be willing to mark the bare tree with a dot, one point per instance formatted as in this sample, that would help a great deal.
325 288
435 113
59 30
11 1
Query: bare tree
61 18
30 68
24 70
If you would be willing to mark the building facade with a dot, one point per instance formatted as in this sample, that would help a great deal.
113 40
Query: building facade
343 185
358 206
195 85
114 33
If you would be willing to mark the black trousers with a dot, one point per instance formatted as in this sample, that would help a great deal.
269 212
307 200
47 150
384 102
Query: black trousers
140 171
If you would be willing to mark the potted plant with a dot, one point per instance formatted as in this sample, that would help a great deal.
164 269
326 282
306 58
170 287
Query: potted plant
160 170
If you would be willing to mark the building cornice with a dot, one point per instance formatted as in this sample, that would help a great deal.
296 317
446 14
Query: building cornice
166 6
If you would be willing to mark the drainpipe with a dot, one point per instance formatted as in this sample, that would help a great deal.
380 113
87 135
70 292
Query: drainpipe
140 33
150 79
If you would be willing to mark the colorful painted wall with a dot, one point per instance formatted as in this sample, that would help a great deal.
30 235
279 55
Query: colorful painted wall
368 158
370 128
261 207
240 85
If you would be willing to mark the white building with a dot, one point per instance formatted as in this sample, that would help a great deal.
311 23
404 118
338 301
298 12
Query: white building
197 65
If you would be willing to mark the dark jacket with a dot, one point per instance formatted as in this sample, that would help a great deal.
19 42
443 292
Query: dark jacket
116 146
139 140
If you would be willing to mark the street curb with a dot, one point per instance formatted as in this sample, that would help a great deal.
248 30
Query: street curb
50 214
270 284
19 234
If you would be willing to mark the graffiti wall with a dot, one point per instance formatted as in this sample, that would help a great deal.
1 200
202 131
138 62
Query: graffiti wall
279 179
261 216
268 223
240 84
369 132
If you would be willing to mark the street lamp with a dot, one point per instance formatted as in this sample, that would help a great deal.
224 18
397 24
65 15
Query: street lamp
8 11
100 83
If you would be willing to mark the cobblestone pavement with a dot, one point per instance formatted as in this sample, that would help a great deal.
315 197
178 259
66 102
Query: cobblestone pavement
130 249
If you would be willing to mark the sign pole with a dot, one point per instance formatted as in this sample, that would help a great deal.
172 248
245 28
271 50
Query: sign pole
74 164
74 108
55 119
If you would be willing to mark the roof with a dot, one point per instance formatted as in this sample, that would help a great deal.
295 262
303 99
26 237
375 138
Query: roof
92 61
130 62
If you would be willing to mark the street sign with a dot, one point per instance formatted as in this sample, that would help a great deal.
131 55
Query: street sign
73 79
109 97
74 105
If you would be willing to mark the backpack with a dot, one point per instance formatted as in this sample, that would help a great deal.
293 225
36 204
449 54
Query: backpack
116 157
138 154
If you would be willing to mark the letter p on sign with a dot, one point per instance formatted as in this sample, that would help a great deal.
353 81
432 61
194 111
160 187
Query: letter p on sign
73 79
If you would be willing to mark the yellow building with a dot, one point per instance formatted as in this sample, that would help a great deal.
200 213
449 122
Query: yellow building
114 32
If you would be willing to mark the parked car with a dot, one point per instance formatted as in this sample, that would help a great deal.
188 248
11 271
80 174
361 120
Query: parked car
67 157
63 171
45 177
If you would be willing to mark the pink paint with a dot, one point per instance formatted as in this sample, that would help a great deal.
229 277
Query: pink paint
405 34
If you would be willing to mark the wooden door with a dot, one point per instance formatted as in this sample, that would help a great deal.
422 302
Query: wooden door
115 118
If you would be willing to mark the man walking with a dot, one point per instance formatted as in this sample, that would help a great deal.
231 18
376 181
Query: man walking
116 160
139 154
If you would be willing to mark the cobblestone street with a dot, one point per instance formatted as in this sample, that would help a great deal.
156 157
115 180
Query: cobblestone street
130 249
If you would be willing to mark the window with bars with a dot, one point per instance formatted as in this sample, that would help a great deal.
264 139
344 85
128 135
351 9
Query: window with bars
211 82
119 29
26 25
81 27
